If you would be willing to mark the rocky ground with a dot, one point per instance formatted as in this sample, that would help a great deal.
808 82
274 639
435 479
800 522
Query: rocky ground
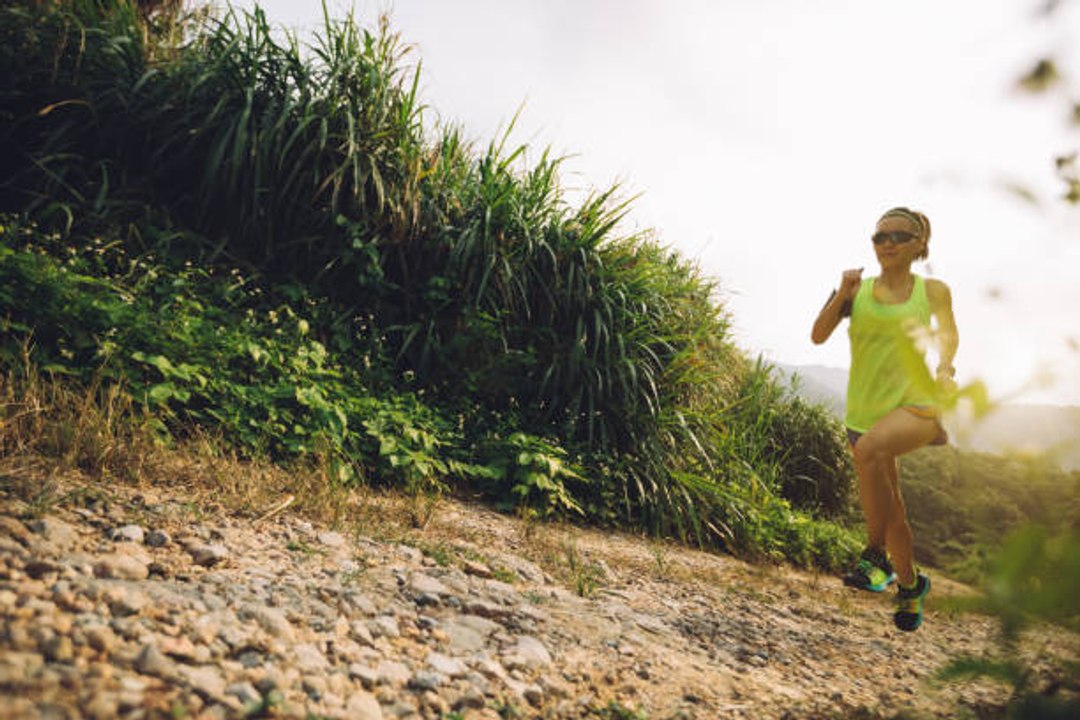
118 601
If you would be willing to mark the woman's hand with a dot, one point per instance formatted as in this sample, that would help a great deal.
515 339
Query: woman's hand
945 378
834 310
849 284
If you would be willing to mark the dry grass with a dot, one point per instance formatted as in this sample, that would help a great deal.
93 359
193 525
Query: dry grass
57 436
61 426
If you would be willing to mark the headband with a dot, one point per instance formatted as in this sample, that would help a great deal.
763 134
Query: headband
905 213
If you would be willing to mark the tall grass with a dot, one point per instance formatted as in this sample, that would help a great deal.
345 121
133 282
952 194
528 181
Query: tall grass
226 144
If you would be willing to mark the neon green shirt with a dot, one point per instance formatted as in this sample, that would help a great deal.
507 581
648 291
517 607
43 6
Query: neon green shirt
888 369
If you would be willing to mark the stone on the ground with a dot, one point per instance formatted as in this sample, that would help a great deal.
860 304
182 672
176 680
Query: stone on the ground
128 533
122 567
101 618
207 555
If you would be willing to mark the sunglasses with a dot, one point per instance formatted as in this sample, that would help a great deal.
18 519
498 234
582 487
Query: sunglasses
897 237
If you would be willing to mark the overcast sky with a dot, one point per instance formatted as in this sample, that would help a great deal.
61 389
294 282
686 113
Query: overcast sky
765 137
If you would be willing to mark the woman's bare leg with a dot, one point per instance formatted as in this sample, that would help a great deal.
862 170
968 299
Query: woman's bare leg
873 501
876 455
898 532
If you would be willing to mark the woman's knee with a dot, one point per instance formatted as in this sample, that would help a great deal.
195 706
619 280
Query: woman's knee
868 451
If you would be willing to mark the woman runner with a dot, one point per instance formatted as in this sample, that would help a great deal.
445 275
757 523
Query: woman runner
892 400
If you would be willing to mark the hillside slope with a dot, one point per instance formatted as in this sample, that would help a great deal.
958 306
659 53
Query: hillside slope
115 599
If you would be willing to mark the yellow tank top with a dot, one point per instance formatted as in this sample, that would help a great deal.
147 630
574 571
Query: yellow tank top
888 369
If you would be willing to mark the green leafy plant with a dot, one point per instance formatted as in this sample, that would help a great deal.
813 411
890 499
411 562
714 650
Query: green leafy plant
536 471
1035 578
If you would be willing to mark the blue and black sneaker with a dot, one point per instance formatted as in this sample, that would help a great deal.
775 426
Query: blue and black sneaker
909 601
874 572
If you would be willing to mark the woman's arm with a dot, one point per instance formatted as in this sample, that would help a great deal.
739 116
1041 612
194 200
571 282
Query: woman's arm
833 312
946 334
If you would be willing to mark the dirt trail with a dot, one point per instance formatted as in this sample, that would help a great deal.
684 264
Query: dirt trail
126 602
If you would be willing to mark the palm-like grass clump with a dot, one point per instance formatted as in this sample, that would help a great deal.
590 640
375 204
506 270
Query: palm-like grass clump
226 144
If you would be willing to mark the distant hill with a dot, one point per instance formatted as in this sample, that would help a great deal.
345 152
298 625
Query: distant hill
820 384
1053 430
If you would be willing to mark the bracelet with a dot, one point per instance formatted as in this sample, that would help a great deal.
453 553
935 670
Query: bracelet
946 370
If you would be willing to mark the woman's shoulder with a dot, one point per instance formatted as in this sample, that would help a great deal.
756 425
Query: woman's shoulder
935 285
936 289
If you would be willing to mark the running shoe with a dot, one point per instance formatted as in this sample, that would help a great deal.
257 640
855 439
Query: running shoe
909 601
874 572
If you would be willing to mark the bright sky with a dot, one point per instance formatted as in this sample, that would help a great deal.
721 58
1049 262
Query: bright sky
765 138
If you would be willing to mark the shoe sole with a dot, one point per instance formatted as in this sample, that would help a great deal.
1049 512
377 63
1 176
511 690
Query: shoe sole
879 588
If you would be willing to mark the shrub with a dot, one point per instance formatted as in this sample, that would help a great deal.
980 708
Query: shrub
304 264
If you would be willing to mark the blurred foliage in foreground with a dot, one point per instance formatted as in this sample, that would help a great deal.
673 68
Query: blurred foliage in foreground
1034 578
